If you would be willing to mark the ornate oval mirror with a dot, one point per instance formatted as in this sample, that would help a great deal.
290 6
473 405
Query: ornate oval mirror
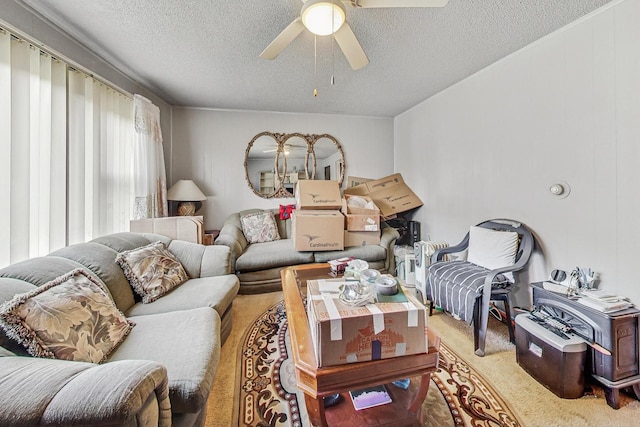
275 162
327 162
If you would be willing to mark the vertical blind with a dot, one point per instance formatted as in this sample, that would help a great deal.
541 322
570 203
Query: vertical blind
100 159
65 162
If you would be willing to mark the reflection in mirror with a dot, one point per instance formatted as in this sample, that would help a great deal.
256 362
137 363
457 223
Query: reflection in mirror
329 162
275 162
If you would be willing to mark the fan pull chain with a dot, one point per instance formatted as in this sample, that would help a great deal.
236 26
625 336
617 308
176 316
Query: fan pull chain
333 42
315 66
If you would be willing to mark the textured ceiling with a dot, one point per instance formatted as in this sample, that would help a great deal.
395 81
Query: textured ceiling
204 53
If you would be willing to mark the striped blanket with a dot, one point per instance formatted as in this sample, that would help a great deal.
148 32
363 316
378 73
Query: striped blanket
454 286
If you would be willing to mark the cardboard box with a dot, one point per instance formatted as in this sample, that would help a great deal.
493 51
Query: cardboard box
363 222
316 194
352 181
360 219
347 209
391 194
344 334
317 230
361 238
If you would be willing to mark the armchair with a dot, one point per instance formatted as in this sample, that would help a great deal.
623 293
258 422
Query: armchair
496 248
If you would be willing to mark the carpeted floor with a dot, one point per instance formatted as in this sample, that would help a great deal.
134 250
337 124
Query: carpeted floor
533 404
266 392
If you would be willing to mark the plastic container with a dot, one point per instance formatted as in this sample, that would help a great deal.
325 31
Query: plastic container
386 285
555 362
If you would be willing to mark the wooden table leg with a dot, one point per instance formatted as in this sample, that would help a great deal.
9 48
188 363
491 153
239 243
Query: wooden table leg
415 407
315 409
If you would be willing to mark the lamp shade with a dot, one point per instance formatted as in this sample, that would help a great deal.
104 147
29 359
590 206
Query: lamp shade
185 190
323 17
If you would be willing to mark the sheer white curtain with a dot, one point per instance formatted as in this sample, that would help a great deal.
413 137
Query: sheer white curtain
33 147
101 187
149 171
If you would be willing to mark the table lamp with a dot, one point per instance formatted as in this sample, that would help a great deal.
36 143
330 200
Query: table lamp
187 193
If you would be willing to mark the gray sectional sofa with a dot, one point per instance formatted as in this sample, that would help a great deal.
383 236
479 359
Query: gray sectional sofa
258 265
161 374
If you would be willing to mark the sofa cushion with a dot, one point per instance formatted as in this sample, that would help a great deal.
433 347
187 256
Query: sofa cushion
259 227
121 242
51 375
152 270
213 292
279 253
70 318
43 392
187 343
100 259
41 270
367 253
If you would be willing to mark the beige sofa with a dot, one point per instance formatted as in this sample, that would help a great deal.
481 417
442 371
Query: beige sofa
163 371
258 265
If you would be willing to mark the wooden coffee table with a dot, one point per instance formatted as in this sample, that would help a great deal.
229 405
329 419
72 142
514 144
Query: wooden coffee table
316 383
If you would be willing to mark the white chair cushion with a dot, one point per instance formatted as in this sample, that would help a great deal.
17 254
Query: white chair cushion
492 249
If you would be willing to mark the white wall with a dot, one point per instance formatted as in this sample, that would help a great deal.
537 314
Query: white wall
209 147
565 108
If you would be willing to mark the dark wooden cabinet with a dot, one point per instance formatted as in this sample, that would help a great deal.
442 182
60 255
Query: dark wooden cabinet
618 332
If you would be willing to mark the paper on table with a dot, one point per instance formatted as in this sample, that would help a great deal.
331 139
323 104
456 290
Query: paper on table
329 286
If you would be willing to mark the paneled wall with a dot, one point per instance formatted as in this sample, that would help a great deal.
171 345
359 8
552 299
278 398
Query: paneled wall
566 108
209 147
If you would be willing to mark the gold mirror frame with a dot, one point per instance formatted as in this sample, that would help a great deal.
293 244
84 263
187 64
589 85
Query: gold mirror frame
281 173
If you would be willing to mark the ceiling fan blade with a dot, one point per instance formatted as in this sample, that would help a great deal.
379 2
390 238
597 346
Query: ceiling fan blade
351 47
401 3
282 41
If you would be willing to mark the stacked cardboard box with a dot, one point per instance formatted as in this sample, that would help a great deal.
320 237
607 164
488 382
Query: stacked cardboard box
320 208
317 223
391 194
362 224
345 334
317 194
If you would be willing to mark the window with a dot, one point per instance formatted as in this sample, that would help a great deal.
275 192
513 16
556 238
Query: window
66 140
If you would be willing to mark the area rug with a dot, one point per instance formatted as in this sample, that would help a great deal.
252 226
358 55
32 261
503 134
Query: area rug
266 393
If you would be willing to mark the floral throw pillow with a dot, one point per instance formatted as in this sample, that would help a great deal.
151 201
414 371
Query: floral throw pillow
259 227
152 270
71 318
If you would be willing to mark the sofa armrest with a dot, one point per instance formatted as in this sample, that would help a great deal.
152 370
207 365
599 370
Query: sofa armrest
202 260
388 241
388 237
232 237
58 392
216 261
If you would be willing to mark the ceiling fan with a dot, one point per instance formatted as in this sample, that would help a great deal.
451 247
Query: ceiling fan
328 17
286 148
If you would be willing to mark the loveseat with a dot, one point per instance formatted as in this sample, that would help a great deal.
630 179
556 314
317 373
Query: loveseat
162 371
258 265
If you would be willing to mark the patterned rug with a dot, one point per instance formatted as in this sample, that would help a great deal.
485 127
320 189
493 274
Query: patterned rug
266 393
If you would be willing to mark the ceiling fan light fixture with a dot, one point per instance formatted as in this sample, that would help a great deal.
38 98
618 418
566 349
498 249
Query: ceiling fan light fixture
323 17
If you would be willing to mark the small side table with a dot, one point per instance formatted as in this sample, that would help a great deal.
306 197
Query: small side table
210 236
